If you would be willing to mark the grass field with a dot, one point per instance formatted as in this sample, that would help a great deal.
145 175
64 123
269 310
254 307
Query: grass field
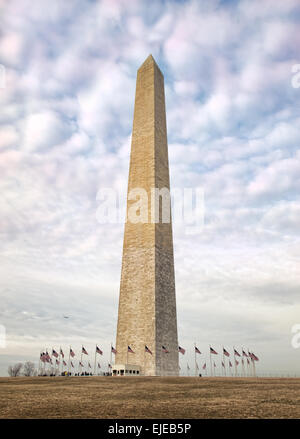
149 397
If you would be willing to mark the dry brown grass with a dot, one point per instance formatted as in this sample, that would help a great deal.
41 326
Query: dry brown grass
147 397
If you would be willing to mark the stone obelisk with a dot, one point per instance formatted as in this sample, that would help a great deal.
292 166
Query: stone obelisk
147 302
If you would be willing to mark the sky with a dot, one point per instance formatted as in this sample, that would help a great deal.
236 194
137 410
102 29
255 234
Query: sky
233 120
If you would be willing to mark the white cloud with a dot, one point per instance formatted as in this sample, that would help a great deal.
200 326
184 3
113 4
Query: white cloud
9 136
45 130
277 179
11 48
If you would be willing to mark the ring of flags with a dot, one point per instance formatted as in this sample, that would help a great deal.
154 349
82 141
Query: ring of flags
249 356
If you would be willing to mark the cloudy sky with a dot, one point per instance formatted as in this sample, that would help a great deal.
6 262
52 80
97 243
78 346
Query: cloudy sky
233 121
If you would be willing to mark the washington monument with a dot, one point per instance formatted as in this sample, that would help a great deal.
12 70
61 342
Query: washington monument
147 304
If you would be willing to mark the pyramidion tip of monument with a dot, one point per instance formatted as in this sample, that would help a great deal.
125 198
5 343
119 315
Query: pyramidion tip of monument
151 58
149 61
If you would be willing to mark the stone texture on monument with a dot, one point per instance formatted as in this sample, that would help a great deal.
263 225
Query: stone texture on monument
147 302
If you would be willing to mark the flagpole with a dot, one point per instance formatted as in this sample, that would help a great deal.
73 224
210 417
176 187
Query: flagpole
110 357
51 361
39 363
210 361
55 366
45 369
235 372
127 352
81 361
250 371
195 359
224 362
249 365
69 361
145 360
45 363
49 365
41 367
95 360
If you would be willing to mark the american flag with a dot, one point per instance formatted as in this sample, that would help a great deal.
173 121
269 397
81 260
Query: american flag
57 362
253 357
90 366
226 353
165 350
109 365
212 351
64 363
223 364
204 366
72 353
43 357
244 353
130 350
197 350
230 365
248 362
54 353
72 364
236 362
215 364
84 351
236 353
114 351
80 364
47 357
181 350
99 351
99 367
61 353
147 350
